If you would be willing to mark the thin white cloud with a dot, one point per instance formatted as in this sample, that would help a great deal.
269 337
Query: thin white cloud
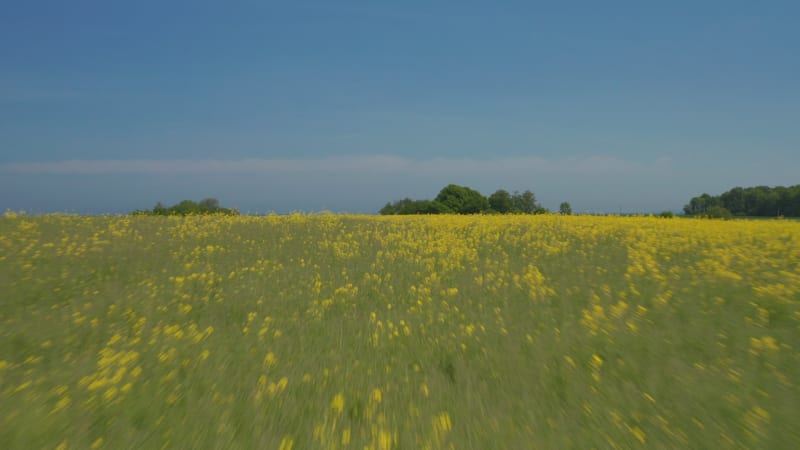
587 165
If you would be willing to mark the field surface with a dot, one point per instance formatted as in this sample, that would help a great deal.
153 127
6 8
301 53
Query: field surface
356 332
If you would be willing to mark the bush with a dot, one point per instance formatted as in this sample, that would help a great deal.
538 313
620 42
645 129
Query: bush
189 207
666 215
718 212
462 200
409 206
501 201
454 199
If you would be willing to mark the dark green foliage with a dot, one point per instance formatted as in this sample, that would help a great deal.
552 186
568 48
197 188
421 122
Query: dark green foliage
462 200
186 207
189 207
432 207
565 208
409 206
526 203
501 201
454 199
718 212
159 209
701 204
388 209
211 204
666 215
759 201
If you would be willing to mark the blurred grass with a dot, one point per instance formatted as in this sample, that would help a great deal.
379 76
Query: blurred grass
398 332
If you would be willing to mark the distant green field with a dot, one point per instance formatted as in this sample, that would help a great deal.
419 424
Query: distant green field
354 332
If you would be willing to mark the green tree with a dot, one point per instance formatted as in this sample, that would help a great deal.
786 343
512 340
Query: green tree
209 204
718 212
565 208
160 209
432 207
409 206
186 207
763 201
699 205
462 200
501 201
388 209
734 200
525 203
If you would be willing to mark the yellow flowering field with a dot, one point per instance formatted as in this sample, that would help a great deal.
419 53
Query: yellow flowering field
398 332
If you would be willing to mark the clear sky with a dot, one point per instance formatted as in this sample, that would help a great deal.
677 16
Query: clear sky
110 106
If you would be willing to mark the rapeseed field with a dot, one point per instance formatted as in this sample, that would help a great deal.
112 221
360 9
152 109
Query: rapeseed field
362 332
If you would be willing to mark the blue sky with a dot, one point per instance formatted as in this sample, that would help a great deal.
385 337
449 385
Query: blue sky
110 106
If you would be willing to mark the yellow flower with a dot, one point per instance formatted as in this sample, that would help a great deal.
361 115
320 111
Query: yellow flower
61 404
385 440
638 434
337 404
286 443
442 423
110 393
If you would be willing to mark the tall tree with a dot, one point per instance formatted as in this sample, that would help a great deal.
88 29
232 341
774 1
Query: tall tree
462 200
525 203
210 204
761 201
501 201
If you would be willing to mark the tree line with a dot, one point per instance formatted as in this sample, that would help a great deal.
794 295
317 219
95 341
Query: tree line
758 201
189 207
455 199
